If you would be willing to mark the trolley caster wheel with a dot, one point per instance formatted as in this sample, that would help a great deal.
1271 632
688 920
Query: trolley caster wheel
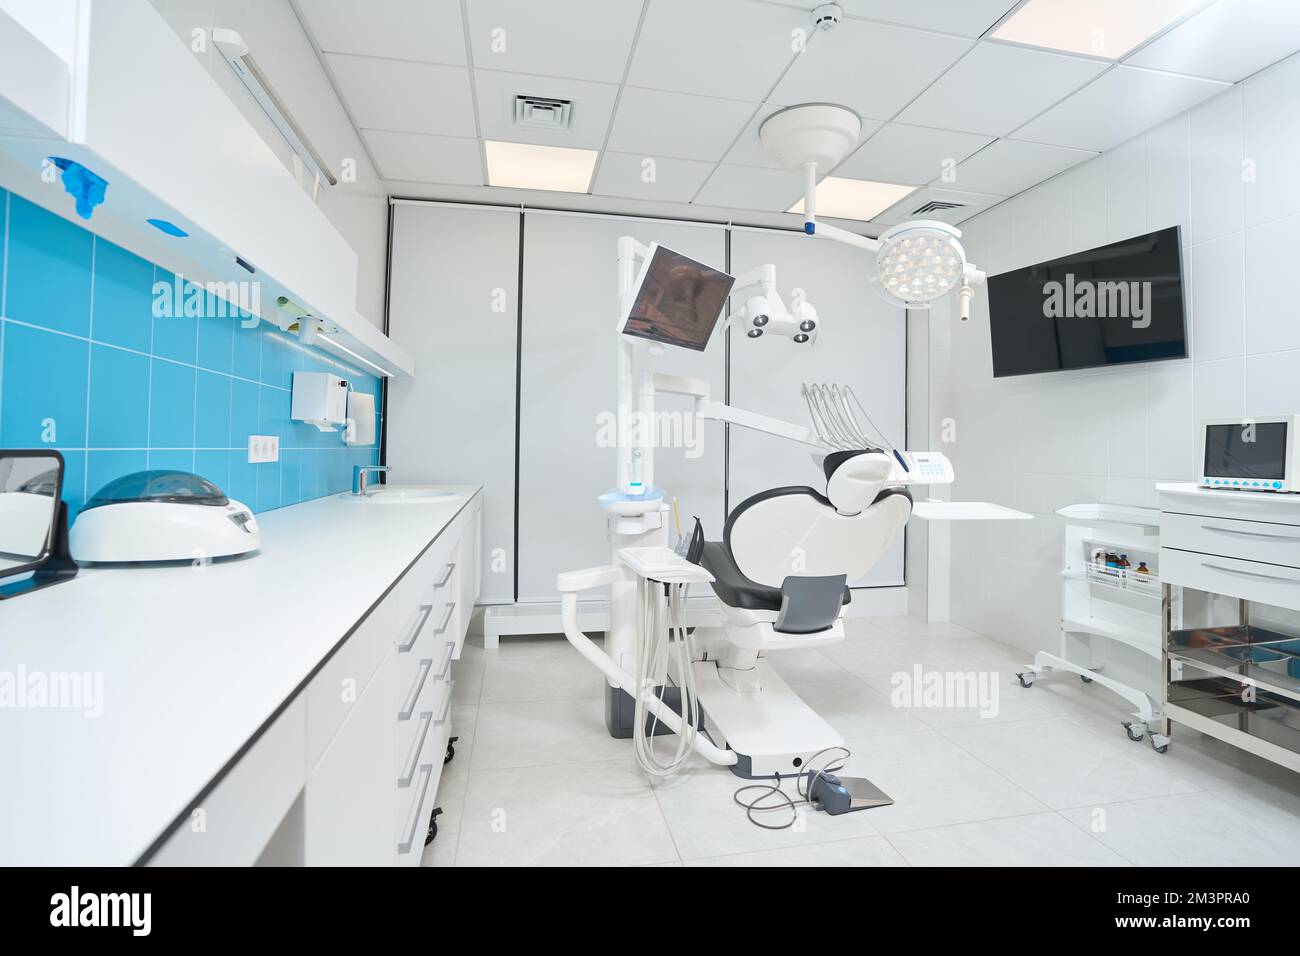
1156 744
451 750
1135 733
433 825
1026 679
1086 680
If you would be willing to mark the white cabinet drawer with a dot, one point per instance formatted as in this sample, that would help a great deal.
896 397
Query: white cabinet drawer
1232 537
428 691
416 800
339 684
244 809
1251 580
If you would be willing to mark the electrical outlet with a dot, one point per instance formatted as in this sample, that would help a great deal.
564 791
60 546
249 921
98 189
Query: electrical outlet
263 448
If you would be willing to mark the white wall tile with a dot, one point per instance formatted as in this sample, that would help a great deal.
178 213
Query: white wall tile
1043 221
1088 205
1272 255
1218 299
1273 383
1126 194
1171 420
1218 194
1220 388
1272 116
1168 176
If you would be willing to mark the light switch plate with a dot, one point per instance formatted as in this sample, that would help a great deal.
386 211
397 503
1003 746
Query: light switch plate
263 448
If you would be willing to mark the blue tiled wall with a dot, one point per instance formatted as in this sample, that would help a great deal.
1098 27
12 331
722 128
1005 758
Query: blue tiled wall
86 368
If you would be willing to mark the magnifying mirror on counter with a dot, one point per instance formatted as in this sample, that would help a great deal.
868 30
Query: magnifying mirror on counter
33 522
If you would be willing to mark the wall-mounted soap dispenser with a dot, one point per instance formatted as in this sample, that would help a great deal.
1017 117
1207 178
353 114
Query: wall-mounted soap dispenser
320 399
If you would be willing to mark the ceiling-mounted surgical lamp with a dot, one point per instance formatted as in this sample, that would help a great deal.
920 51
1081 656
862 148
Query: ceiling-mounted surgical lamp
917 261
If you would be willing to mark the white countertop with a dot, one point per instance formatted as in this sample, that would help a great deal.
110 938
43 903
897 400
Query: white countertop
194 661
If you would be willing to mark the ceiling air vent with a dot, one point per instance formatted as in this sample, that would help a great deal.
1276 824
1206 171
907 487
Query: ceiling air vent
936 205
542 112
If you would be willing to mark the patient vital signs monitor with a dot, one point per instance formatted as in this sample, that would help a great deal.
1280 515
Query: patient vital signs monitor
677 300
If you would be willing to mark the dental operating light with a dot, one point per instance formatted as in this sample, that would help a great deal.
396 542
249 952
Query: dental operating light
916 262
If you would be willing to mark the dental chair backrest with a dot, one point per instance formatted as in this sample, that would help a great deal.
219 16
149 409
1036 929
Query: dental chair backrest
797 531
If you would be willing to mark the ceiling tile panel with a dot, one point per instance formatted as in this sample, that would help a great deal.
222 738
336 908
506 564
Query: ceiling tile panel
748 187
728 48
593 103
404 96
641 177
873 68
1229 40
582 39
898 153
428 30
656 123
414 157
1118 106
998 87
968 18
1009 166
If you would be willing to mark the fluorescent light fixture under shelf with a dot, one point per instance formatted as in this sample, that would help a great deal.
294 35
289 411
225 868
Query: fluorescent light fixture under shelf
343 348
854 198
525 166
1106 28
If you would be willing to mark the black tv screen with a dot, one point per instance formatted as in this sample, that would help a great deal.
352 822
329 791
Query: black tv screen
1113 305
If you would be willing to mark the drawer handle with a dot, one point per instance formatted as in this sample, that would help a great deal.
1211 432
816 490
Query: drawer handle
446 705
1250 574
446 619
413 821
1250 534
408 774
446 664
408 708
446 576
425 611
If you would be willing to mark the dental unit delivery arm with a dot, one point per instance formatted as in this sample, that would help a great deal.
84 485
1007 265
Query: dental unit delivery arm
570 583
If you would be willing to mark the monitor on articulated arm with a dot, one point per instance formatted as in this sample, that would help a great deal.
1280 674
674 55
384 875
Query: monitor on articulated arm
677 300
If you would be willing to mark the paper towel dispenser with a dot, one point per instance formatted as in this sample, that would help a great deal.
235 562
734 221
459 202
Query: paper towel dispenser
320 399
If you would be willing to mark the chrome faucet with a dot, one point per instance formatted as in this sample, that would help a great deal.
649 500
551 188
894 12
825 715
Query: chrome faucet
359 476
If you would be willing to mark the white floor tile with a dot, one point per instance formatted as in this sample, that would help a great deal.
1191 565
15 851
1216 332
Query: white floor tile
864 851
1043 839
933 783
536 732
547 668
806 667
586 814
1065 765
1253 824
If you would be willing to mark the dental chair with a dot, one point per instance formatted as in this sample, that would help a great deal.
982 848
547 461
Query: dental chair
780 573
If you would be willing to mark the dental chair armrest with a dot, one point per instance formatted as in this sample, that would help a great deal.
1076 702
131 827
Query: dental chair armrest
568 582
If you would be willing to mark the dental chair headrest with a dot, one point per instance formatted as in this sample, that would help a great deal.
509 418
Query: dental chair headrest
855 478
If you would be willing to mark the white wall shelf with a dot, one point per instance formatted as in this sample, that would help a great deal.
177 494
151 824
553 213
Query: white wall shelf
135 106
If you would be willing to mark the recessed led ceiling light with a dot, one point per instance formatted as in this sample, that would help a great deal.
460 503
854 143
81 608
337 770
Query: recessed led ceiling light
524 166
854 198
1108 28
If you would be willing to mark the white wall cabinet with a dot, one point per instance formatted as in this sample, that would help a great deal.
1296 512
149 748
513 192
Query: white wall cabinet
205 168
453 303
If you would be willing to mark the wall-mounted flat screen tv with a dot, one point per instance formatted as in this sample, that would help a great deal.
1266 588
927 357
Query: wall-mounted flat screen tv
1113 305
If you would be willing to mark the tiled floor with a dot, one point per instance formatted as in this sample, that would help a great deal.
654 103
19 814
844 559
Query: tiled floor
1051 779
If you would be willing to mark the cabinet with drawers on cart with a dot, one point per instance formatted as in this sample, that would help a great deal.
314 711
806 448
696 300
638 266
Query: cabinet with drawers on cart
1231 571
